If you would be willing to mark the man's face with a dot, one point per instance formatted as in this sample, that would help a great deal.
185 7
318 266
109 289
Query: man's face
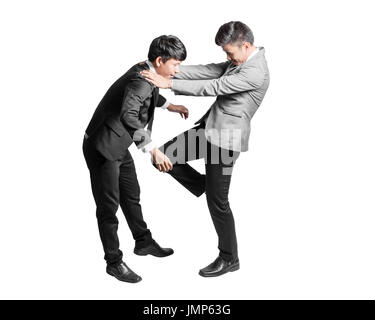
167 69
237 54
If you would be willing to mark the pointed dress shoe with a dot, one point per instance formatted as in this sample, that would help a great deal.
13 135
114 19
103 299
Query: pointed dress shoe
219 267
123 273
153 249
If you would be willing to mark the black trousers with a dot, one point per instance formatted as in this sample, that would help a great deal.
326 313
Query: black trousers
191 145
115 183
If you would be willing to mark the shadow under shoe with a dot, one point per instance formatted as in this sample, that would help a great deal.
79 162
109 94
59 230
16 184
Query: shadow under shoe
123 273
220 267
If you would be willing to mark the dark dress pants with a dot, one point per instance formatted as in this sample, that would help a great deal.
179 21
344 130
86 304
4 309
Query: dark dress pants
114 183
191 145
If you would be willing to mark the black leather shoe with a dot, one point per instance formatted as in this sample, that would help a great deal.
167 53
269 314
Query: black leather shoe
123 273
154 249
219 267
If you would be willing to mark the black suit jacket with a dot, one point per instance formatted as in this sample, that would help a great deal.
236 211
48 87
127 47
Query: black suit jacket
122 114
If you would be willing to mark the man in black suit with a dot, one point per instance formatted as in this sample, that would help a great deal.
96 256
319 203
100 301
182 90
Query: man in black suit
119 120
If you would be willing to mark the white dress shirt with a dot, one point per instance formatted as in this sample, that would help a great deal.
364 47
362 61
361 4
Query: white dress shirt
151 145
253 54
149 63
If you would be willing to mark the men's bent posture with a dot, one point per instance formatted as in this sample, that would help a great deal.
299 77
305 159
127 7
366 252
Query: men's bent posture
240 85
119 120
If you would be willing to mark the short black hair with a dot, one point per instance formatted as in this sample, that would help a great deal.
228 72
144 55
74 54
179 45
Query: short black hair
234 32
167 47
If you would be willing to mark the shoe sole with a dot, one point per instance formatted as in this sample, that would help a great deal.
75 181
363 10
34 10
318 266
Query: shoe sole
120 279
232 269
145 253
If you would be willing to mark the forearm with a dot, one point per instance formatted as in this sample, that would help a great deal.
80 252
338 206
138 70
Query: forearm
245 80
196 72
140 136
191 88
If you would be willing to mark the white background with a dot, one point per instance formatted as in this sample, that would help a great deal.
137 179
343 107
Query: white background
303 196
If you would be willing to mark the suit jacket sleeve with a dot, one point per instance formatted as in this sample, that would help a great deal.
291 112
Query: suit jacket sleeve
196 72
161 101
135 94
249 78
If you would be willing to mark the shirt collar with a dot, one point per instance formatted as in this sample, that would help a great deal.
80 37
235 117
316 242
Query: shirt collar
253 54
149 63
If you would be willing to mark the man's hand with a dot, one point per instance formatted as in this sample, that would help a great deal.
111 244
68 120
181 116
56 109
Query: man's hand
183 111
156 79
161 161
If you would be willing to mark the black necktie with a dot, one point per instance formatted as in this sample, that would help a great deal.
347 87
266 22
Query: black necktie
151 109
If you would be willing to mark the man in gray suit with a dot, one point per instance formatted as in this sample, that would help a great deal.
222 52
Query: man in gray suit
240 85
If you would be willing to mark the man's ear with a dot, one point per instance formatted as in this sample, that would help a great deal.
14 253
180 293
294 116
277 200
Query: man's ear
247 44
158 61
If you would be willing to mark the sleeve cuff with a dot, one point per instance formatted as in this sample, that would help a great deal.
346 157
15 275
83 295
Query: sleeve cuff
165 105
148 147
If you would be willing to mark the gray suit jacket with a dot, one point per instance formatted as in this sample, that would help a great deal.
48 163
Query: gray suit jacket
239 90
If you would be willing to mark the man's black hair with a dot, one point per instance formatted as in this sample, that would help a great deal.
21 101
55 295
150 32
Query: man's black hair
234 32
167 47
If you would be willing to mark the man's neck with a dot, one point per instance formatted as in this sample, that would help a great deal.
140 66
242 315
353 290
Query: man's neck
251 51
155 68
152 63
